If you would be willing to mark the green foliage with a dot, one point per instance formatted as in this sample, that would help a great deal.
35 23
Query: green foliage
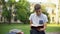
22 10
6 13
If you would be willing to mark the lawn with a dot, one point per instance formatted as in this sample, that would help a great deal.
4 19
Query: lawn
4 28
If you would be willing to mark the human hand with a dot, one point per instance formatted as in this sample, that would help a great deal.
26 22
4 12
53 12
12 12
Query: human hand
42 29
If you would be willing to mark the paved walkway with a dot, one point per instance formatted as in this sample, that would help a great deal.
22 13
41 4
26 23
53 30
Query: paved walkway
53 33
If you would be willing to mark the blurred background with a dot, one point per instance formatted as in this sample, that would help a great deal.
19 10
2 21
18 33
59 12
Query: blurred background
17 12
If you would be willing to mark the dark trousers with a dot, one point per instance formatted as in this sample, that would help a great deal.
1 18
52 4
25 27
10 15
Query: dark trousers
35 31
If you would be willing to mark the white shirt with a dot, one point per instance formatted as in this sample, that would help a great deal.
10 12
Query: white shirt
38 19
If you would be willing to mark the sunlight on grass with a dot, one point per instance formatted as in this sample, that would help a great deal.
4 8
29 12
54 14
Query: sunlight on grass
54 25
5 28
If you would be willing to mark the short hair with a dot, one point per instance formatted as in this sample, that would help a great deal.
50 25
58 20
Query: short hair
37 7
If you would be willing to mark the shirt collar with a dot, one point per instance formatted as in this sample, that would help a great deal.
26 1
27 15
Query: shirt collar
39 15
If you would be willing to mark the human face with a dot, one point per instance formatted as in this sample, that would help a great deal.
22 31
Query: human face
38 12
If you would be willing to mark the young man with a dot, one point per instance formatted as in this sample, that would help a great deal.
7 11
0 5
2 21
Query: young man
38 21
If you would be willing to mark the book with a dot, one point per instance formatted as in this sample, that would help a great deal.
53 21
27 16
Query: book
36 25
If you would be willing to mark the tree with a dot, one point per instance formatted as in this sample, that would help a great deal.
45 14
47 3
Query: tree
7 12
22 10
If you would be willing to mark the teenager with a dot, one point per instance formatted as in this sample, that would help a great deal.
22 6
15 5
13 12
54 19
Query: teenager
38 21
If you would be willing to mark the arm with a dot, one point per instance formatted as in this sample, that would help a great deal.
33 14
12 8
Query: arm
30 18
45 26
30 22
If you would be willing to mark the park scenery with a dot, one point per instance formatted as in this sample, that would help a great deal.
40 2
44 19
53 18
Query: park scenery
14 15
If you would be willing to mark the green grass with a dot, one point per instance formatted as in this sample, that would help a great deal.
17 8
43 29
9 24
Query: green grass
4 28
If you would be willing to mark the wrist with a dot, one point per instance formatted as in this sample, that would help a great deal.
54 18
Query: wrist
42 29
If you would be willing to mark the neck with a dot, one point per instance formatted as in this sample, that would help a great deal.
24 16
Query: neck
38 14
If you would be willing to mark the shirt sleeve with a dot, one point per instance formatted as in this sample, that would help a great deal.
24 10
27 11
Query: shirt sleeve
45 19
30 18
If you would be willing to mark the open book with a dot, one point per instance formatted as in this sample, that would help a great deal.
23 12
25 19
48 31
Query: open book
36 25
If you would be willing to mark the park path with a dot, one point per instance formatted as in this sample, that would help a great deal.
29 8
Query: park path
53 33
